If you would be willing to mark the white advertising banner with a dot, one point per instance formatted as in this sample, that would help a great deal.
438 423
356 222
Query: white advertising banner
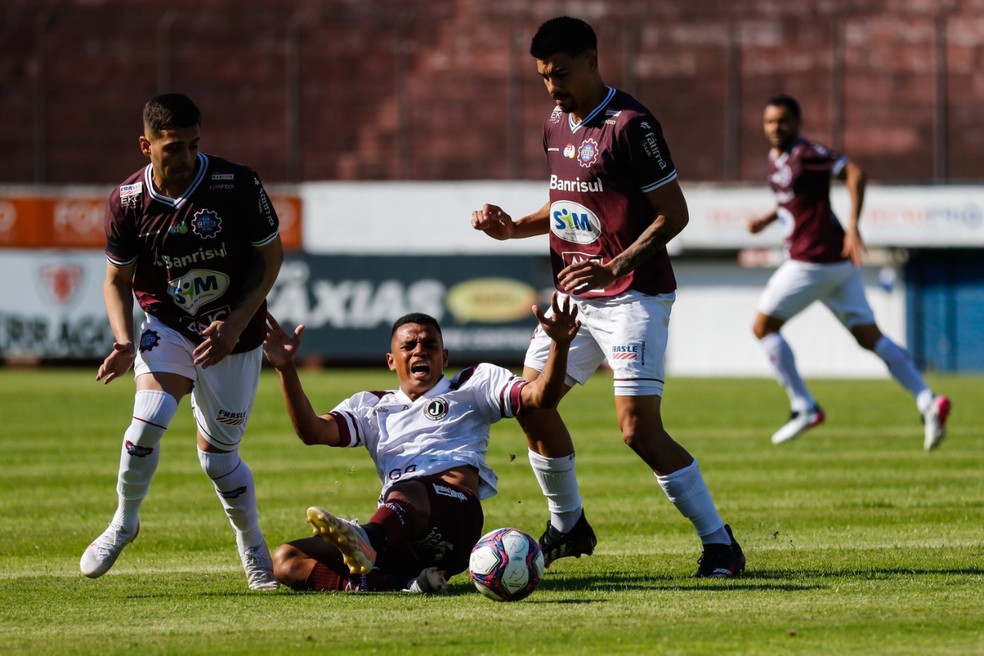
434 217
903 217
56 310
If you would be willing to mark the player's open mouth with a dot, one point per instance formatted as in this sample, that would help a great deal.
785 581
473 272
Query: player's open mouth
420 368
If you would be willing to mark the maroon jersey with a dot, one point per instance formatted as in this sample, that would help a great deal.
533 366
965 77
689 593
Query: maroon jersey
600 172
191 254
800 179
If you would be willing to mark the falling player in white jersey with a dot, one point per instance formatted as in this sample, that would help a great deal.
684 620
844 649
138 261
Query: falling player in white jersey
429 439
822 264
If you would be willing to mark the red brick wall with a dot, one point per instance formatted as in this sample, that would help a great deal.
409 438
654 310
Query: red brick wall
433 90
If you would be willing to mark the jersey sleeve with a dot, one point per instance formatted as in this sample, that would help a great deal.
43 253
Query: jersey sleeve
647 150
121 238
352 416
820 158
262 223
502 390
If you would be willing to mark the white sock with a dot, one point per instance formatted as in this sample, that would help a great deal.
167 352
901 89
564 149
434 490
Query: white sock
784 366
558 481
233 481
152 413
686 489
903 369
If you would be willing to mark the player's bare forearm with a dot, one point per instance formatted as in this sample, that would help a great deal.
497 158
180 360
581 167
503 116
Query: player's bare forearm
562 326
310 427
655 237
259 281
671 216
118 296
222 336
856 180
757 225
496 223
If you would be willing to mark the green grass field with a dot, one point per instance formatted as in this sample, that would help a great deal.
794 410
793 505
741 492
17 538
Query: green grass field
858 542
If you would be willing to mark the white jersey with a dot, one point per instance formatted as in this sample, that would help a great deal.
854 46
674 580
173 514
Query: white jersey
446 427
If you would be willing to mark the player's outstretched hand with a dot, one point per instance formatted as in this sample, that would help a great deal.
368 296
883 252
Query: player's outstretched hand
117 363
493 221
561 325
279 347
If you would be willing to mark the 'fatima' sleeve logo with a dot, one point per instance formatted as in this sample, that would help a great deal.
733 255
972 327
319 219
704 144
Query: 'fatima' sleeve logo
436 409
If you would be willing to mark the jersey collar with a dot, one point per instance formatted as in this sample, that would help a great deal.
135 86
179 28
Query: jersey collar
594 112
176 202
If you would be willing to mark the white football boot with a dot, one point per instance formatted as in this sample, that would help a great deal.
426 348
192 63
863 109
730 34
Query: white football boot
799 423
934 421
98 557
259 567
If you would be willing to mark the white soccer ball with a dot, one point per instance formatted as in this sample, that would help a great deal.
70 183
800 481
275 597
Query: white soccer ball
506 564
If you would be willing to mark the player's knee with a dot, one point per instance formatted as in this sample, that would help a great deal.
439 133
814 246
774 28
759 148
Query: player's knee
217 465
285 561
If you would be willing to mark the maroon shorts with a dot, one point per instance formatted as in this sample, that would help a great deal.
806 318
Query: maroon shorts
455 526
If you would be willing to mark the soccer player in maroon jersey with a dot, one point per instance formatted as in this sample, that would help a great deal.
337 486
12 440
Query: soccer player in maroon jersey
195 239
822 264
614 203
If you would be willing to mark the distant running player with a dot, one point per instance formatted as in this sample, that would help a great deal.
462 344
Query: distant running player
428 438
823 264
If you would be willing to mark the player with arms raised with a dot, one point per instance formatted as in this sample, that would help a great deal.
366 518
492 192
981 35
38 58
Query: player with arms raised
428 438
195 239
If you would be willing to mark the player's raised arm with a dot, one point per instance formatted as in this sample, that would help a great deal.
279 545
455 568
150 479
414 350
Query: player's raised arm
561 325
281 350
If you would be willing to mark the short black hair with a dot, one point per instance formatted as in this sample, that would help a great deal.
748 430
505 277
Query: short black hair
416 317
169 111
564 34
787 101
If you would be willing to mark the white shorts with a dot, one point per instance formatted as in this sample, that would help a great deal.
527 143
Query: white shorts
627 331
795 285
222 396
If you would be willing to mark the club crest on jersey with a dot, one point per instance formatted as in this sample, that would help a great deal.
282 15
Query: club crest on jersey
436 409
206 224
587 154
148 340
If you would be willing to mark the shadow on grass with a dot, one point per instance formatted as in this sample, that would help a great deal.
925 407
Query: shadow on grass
612 582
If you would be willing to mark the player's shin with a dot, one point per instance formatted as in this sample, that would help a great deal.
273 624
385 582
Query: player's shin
558 481
233 481
686 489
140 454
